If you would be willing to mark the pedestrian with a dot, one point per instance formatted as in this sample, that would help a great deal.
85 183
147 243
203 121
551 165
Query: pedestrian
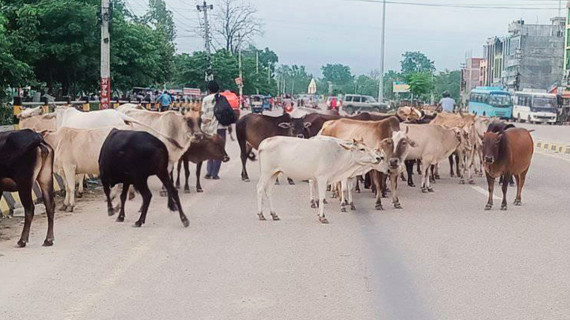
446 104
210 126
164 99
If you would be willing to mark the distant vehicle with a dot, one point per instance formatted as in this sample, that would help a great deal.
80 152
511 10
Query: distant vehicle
260 103
491 102
356 102
534 107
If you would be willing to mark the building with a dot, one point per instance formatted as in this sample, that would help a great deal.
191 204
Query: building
470 76
493 54
533 55
483 72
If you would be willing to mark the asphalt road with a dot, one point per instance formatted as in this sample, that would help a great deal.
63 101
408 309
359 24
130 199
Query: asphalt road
441 257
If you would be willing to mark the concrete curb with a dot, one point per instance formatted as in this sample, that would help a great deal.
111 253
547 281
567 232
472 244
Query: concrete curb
10 200
553 147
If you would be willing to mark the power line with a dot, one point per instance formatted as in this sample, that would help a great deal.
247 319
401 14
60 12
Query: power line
461 6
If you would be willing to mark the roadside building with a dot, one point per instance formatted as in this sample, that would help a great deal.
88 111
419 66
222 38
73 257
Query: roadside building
470 76
493 54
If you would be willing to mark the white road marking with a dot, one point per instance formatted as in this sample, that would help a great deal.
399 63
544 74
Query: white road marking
484 192
552 155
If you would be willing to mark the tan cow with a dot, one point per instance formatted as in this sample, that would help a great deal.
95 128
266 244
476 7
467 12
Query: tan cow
373 132
408 114
38 122
76 152
433 143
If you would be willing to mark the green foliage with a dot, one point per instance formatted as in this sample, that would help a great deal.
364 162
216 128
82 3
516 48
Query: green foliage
389 78
338 74
416 61
447 81
366 85
421 83
296 78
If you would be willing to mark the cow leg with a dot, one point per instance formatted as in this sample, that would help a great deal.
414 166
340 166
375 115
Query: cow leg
291 182
357 186
350 183
69 171
312 193
520 184
418 166
198 170
433 170
264 180
80 181
394 187
107 190
384 181
511 181
45 181
367 180
410 172
173 199
491 186
506 181
426 183
25 193
451 165
458 159
322 187
343 189
377 182
123 199
178 167
146 195
245 150
269 195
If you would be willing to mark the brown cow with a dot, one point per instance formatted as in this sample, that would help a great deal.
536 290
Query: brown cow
373 132
207 148
314 121
505 154
252 128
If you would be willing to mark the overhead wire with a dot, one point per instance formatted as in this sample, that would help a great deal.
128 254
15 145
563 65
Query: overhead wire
461 6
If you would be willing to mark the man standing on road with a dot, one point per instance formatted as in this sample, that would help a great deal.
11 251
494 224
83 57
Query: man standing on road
446 104
210 126
164 99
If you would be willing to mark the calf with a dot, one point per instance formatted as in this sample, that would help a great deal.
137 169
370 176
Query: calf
130 157
252 129
325 160
207 148
24 159
506 154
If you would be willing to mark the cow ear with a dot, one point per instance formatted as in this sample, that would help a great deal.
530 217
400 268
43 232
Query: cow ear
412 143
49 115
500 137
284 125
346 146
307 124
407 129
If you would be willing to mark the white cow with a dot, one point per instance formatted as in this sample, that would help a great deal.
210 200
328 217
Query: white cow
324 160
76 152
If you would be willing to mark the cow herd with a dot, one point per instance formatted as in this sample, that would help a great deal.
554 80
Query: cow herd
332 152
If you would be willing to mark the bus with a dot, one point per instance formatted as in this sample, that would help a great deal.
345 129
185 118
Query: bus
491 102
534 107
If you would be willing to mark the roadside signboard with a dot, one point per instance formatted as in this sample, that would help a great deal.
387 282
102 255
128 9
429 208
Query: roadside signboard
191 91
400 87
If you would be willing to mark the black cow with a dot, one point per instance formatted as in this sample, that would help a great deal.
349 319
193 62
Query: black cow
130 157
207 148
25 158
251 129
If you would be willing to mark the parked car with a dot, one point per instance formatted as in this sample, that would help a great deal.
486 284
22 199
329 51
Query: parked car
354 102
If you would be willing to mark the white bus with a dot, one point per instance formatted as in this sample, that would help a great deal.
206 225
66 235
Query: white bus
534 107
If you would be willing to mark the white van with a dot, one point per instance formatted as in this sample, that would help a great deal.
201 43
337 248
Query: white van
534 107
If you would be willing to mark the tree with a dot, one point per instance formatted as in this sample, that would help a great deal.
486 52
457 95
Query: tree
337 74
235 24
447 81
159 17
420 83
389 78
366 85
416 62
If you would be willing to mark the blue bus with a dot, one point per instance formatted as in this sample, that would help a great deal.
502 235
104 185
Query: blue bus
491 102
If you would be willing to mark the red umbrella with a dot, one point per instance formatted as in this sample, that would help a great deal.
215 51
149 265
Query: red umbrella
232 98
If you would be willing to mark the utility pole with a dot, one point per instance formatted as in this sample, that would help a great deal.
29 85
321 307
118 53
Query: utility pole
241 81
204 8
381 85
105 97
256 62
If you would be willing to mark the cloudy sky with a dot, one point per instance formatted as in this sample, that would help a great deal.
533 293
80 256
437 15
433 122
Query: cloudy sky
316 32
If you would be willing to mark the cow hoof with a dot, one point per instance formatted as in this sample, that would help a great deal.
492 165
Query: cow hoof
325 201
120 219
163 193
451 175
517 203
313 204
79 195
111 212
378 207
276 182
471 181
329 187
424 190
131 196
245 179
504 207
413 185
199 190
274 216
21 244
430 190
461 181
63 208
343 209
397 205
70 208
137 224
357 191
188 191
185 223
323 220
352 207
48 243
291 182
261 217
511 184
488 206
437 177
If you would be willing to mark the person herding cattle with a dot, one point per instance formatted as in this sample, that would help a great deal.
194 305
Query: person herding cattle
507 153
447 103
211 126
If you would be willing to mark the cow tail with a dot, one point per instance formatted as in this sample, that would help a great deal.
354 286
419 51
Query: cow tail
171 202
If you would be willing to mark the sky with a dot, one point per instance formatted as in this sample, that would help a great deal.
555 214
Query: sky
316 32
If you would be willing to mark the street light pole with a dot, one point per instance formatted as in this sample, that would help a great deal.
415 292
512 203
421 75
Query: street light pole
381 85
105 96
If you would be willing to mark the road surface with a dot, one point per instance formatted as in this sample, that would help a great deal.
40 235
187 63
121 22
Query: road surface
441 257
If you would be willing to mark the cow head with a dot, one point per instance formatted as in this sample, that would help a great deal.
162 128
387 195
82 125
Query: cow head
210 147
401 144
491 144
194 123
30 112
299 126
361 153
